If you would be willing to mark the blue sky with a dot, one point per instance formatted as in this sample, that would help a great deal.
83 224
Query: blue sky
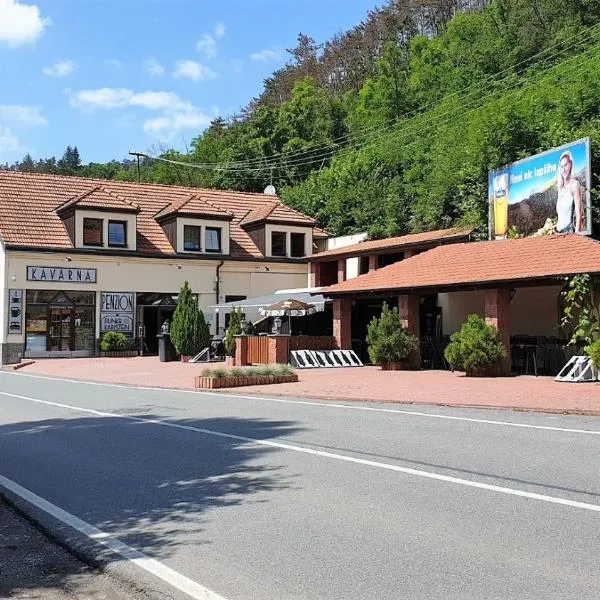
116 75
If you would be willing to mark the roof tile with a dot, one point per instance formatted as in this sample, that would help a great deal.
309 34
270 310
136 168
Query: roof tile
490 262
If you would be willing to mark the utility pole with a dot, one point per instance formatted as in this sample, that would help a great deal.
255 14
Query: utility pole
137 154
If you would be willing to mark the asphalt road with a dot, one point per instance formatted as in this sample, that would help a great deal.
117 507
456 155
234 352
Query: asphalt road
215 496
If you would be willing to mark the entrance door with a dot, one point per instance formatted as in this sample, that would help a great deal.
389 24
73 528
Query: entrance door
60 329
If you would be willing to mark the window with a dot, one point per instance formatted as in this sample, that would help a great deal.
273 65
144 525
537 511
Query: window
212 239
191 238
117 233
278 243
297 244
92 232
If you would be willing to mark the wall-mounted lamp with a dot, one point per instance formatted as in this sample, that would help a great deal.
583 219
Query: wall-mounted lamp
68 258
14 277
512 293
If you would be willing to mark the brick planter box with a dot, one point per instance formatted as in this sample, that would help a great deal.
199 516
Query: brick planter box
118 354
211 383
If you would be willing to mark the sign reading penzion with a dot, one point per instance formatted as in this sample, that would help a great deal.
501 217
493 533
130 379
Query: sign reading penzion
61 274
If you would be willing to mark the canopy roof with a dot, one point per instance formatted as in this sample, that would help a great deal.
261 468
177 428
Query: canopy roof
482 264
318 300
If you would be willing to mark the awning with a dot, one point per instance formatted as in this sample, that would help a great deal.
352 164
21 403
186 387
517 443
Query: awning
318 300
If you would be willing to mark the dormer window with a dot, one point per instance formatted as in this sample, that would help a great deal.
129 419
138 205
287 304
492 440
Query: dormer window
117 234
297 244
100 218
212 239
278 243
192 238
92 232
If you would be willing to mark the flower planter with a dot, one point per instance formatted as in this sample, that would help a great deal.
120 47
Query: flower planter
118 354
185 359
212 383
230 361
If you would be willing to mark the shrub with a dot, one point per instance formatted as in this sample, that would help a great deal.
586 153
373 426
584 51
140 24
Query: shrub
388 341
189 331
235 328
593 351
259 371
476 348
114 341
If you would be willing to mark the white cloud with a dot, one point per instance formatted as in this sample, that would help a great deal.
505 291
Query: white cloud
20 23
9 143
18 114
175 121
219 30
193 70
208 45
265 55
101 98
60 69
174 115
154 68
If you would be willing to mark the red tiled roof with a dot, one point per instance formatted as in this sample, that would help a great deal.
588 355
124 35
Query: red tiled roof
28 203
193 205
492 262
320 234
99 197
427 238
276 213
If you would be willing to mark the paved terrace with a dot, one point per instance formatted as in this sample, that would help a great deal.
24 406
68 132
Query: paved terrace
347 384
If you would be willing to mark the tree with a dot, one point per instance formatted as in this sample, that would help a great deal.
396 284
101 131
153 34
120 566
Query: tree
189 331
235 328
70 162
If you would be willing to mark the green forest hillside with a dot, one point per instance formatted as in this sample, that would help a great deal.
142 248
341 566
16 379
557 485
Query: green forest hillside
393 126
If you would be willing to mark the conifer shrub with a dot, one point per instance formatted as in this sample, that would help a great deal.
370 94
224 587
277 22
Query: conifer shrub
189 330
476 348
235 328
388 341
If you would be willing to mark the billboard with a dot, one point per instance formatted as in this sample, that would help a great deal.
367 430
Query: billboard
544 193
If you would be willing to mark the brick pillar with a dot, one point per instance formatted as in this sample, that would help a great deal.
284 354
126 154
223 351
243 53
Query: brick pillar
278 350
341 270
241 350
496 314
373 262
409 308
315 274
342 323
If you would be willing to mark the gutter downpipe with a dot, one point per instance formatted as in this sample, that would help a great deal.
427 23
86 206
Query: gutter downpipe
217 292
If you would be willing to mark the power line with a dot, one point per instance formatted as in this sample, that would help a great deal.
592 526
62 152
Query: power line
437 120
291 158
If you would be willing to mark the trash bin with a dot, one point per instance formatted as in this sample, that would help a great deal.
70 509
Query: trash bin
166 350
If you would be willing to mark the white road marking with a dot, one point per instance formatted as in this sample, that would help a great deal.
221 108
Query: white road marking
156 568
334 405
330 455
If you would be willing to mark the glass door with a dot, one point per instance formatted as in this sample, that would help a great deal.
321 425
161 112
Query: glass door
60 329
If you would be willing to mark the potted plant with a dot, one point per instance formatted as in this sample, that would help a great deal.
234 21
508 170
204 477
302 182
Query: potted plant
476 348
234 329
189 331
593 351
389 343
114 344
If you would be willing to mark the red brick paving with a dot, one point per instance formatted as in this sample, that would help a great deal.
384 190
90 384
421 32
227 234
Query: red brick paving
352 384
